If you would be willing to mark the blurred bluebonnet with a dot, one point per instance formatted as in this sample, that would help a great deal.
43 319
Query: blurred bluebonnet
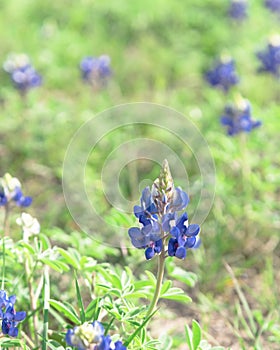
22 73
160 224
273 5
91 336
10 318
237 118
238 9
270 56
223 74
10 190
96 70
108 344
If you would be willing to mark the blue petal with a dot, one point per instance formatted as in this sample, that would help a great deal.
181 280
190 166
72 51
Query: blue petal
119 346
149 253
175 232
180 222
24 201
158 246
5 326
3 199
181 253
225 120
68 337
13 332
172 246
9 315
138 239
12 299
193 230
138 211
180 200
105 343
166 221
146 199
20 316
18 194
190 242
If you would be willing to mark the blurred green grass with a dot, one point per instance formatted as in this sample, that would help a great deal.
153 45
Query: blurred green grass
159 52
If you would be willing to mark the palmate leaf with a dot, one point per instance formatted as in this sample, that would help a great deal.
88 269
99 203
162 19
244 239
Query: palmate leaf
176 272
66 309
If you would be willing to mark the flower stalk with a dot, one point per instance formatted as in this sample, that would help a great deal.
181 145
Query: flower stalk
160 274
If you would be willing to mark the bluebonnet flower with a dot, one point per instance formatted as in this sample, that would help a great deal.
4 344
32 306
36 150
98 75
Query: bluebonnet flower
96 70
25 78
223 75
237 118
10 318
273 5
158 217
238 9
270 57
10 190
3 198
183 236
85 335
90 336
23 75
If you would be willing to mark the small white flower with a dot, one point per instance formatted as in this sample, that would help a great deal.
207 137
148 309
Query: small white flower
30 225
9 183
15 61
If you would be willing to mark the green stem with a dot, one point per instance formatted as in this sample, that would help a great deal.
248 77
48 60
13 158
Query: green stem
246 168
246 180
6 225
5 233
3 263
46 308
33 302
160 273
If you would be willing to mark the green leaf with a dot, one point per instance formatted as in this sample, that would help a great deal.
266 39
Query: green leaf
196 334
80 302
93 309
69 258
67 310
176 294
165 342
44 241
165 287
56 265
87 264
189 337
189 278
27 246
11 343
54 345
151 277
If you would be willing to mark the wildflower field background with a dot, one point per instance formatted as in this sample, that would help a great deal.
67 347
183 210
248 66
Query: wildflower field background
160 52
